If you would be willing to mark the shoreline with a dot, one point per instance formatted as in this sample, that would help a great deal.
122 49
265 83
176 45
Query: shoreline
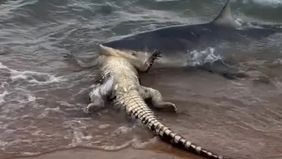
127 153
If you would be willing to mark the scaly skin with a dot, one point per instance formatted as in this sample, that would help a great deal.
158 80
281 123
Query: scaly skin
121 85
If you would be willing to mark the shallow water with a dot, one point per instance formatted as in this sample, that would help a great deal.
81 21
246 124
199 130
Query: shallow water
42 94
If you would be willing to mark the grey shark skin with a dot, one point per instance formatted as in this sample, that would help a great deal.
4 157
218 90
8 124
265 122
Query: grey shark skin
121 87
175 41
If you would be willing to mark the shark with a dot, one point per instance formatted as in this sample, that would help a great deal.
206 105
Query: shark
178 42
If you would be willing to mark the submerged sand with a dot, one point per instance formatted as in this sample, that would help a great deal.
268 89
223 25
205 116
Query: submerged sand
80 153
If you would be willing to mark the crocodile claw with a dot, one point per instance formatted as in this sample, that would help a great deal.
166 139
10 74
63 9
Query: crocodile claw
155 55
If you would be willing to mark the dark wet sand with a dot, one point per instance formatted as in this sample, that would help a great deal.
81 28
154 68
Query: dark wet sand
80 153
227 117
207 115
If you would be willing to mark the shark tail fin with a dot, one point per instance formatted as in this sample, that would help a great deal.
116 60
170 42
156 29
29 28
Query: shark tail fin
225 17
126 54
107 51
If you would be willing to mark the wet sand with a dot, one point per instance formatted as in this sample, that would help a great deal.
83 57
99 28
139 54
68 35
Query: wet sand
80 153
224 116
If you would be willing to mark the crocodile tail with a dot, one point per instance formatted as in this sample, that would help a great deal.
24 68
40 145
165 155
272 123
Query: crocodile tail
169 136
139 110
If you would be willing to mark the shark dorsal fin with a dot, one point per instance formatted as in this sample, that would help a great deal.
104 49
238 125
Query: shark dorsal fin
225 17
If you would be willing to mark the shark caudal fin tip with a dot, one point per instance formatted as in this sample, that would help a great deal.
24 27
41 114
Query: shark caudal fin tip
101 46
105 50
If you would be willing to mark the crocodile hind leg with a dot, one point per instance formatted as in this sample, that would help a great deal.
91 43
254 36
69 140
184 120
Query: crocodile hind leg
157 99
99 95
96 100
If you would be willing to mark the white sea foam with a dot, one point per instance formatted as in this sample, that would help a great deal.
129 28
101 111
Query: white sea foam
3 92
2 96
18 95
122 130
3 66
104 126
46 111
277 61
27 96
196 58
30 98
30 153
115 147
3 143
274 3
35 77
32 76
77 138
165 0
138 144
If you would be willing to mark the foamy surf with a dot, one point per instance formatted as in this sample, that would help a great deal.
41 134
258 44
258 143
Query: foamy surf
272 3
3 92
2 96
32 77
201 57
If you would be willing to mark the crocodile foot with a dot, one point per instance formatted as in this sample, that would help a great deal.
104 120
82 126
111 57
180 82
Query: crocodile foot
166 106
92 107
149 62
157 100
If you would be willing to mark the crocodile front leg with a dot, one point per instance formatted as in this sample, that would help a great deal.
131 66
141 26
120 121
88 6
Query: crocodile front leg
147 64
157 99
